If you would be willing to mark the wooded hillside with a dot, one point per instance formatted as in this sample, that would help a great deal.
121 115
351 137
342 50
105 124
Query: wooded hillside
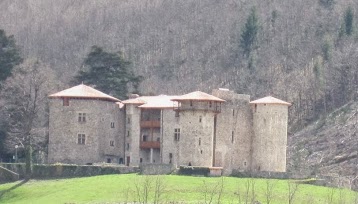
304 51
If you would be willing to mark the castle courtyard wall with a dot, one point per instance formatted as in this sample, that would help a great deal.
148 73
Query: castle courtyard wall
169 146
234 132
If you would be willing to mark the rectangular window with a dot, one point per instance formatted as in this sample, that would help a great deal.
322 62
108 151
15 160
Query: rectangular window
127 146
232 136
177 134
128 120
81 139
128 133
191 103
111 143
112 124
66 101
200 119
210 104
81 117
233 112
145 138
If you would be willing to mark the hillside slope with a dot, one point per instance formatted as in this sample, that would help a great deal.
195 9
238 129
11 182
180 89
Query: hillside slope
328 147
180 46
303 56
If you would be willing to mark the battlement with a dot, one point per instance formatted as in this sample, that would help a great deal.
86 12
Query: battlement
229 95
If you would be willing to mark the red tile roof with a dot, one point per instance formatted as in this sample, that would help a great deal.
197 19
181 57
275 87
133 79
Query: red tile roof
134 101
83 91
157 102
161 101
197 96
270 100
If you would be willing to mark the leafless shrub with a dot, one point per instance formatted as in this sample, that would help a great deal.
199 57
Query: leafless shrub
330 195
250 194
159 189
270 185
292 190
148 186
342 196
213 193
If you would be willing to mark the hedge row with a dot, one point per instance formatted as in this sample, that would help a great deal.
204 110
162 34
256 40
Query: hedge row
68 170
194 170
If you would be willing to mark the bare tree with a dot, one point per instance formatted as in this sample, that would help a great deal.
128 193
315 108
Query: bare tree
213 193
270 185
292 190
330 195
150 189
159 189
24 99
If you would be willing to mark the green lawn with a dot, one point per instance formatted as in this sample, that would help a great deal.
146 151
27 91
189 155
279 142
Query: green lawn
181 189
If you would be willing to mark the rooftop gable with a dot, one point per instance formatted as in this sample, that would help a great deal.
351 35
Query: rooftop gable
270 100
83 91
156 102
197 96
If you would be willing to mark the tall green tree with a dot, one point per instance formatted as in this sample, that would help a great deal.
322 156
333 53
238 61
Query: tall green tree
108 72
250 31
348 21
9 55
347 27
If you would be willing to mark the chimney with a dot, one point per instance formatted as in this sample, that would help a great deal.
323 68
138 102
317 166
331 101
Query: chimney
131 96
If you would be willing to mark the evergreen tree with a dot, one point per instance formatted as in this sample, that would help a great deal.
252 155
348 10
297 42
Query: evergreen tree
9 55
249 35
348 21
108 72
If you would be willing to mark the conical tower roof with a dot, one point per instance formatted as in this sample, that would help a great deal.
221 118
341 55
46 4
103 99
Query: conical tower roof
83 91
197 96
270 100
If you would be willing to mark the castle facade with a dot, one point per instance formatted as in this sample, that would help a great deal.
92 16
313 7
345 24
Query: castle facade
224 130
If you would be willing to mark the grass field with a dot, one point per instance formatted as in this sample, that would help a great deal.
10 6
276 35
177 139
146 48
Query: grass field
169 189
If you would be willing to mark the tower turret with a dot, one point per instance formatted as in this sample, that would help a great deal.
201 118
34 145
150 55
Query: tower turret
270 134
196 135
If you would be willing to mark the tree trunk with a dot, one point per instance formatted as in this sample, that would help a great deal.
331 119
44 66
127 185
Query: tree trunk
28 162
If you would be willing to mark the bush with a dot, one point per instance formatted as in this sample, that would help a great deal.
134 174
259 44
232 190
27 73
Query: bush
194 170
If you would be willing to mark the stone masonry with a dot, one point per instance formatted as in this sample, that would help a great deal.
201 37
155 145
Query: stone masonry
223 130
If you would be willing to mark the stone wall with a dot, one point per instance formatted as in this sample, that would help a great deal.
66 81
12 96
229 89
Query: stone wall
270 138
233 132
64 127
196 137
168 144
132 138
7 175
156 169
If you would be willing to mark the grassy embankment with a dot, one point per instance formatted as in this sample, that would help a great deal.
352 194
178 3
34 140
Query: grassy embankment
182 189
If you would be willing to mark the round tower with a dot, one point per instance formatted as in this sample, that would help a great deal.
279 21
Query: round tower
195 136
270 134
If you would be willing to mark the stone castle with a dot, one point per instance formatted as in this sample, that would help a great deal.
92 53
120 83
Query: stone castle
224 130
